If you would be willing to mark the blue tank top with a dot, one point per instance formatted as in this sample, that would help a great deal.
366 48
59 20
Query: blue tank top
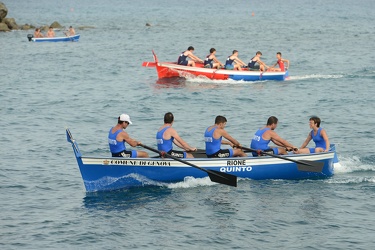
164 145
251 63
318 139
181 58
212 144
229 61
208 60
114 145
258 142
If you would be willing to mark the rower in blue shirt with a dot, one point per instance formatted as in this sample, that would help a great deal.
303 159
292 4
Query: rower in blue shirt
318 135
167 136
117 138
267 134
213 137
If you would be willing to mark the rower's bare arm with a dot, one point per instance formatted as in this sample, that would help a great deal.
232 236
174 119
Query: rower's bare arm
280 141
306 142
265 65
129 140
239 61
325 137
182 144
233 141
225 142
195 58
286 61
217 61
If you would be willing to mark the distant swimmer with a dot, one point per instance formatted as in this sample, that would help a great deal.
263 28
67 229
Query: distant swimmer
211 61
233 62
281 62
183 58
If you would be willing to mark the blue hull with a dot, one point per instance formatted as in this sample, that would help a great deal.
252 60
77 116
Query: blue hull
260 77
107 173
57 39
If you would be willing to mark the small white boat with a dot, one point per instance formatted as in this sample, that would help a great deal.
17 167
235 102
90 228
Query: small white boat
74 38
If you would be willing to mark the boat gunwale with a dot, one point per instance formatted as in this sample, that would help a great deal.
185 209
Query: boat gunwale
57 38
208 162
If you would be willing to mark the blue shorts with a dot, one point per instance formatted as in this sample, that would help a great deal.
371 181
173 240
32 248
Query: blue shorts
222 153
274 151
183 63
126 154
208 65
255 67
229 66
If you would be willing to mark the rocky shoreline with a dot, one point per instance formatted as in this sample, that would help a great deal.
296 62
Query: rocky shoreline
9 24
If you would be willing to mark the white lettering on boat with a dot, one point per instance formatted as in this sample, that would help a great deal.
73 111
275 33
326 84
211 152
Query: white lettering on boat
236 169
236 162
137 163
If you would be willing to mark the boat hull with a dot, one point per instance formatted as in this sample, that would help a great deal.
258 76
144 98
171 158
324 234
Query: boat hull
172 69
111 173
100 174
57 39
166 70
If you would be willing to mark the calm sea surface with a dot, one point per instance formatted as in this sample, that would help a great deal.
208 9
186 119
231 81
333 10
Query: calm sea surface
46 87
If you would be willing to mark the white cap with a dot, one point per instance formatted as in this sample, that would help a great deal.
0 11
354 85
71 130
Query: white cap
125 118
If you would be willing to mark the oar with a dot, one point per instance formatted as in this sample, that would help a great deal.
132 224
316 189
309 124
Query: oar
302 165
215 176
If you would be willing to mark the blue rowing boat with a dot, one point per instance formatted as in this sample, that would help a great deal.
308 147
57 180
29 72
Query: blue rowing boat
74 38
111 173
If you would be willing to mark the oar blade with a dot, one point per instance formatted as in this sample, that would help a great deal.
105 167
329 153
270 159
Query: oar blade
310 166
222 178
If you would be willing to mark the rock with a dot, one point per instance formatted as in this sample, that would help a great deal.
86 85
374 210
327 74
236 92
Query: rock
27 27
56 25
4 27
11 22
85 27
3 11
44 28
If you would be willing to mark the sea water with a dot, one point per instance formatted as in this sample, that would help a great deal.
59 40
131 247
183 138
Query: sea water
86 85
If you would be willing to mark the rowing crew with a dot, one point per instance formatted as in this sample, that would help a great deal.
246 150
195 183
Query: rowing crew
213 137
232 62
